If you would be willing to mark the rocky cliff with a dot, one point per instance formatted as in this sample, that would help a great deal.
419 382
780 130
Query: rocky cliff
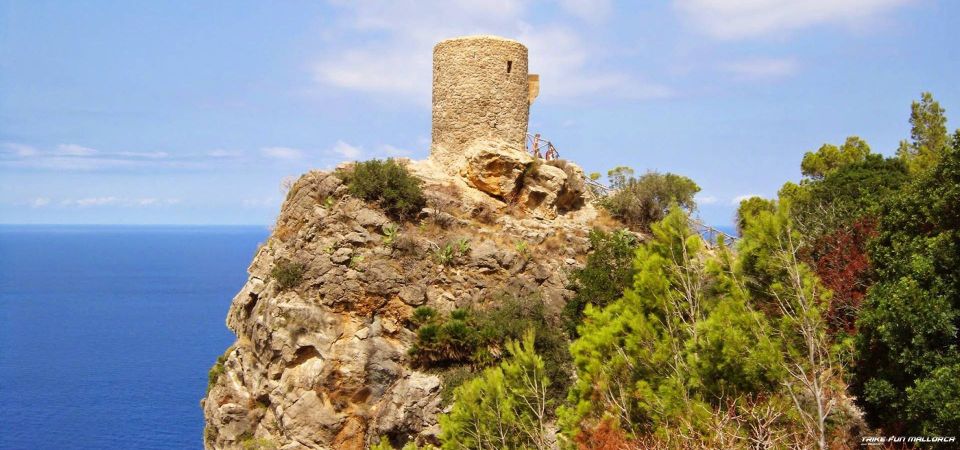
321 357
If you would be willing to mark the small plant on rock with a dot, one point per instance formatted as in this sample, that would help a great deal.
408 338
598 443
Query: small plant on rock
218 369
288 274
463 246
423 315
355 261
390 232
523 249
444 254
448 253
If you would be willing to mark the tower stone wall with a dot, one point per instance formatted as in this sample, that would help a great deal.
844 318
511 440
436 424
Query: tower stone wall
481 92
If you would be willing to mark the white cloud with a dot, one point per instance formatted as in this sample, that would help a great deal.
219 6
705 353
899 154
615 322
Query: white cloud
286 153
736 200
144 155
391 45
93 201
19 149
220 153
79 163
762 69
71 157
39 202
706 199
74 150
346 150
118 201
738 19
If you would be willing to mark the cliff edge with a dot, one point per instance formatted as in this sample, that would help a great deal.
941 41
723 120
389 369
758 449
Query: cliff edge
321 359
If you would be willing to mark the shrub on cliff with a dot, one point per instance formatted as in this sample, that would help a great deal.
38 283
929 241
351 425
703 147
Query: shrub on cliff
387 183
288 274
214 375
639 202
477 337
607 273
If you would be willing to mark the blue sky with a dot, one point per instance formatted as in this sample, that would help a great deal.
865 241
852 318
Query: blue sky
194 112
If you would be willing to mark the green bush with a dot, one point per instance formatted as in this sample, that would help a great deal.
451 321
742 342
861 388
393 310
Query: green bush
607 273
216 371
387 183
257 444
288 274
477 337
640 202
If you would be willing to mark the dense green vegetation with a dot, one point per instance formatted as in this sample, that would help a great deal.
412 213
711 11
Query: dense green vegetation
477 338
387 183
607 273
908 361
507 406
842 296
640 201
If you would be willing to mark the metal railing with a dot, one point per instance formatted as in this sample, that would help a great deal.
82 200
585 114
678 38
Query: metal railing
600 191
535 143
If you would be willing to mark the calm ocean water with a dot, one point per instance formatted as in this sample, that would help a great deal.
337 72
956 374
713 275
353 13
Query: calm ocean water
107 333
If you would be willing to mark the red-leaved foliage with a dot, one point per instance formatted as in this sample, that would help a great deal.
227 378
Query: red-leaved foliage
840 260
605 436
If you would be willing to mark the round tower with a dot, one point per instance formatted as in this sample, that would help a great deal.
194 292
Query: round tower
481 92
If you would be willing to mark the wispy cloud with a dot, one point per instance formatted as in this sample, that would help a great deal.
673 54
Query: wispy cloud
157 201
93 202
385 47
39 202
706 199
739 19
75 157
144 155
20 150
346 150
284 153
736 200
74 150
762 69
221 153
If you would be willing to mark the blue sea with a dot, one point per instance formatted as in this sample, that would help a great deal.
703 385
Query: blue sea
107 332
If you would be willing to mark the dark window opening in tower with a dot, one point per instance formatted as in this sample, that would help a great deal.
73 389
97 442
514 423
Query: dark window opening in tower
509 66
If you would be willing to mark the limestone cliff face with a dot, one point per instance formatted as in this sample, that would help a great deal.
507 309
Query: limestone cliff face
322 363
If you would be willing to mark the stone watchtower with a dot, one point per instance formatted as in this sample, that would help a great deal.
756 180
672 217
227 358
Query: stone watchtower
481 94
